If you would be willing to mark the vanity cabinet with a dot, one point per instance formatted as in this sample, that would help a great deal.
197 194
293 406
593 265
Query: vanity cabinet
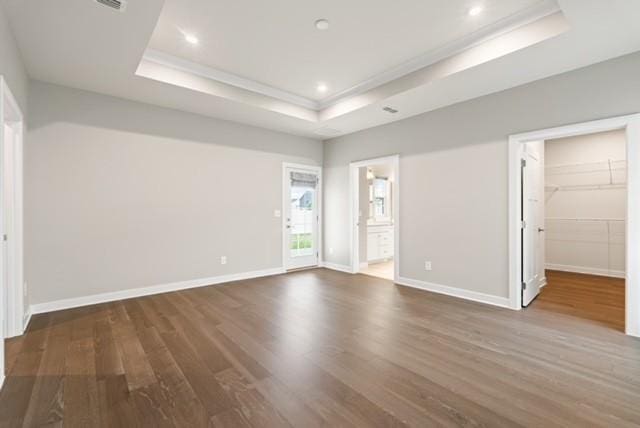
379 243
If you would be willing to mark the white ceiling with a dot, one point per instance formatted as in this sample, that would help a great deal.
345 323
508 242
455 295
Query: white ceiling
81 44
276 43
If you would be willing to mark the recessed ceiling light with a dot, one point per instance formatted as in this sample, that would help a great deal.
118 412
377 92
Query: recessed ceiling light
475 11
322 24
322 88
191 39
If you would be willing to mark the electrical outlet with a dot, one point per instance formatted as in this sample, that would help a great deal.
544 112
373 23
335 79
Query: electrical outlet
427 265
223 260
277 213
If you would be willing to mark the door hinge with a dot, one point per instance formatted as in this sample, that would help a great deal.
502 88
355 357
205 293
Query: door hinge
523 162
523 224
5 237
524 285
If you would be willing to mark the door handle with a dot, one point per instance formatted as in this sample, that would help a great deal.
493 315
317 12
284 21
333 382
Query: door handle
540 229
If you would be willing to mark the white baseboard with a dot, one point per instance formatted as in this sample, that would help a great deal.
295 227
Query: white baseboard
364 265
94 299
502 302
586 270
27 319
336 266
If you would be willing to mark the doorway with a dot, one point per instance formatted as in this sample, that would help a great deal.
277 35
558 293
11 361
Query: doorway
301 220
375 217
574 230
12 293
574 227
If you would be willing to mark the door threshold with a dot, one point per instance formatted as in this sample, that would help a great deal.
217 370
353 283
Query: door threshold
301 268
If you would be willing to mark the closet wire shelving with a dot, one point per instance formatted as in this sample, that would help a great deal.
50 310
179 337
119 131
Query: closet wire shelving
604 175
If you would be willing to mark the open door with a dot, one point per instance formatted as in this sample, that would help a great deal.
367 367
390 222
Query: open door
301 217
532 221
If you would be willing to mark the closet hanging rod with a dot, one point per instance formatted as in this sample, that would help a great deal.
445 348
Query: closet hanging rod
583 219
587 186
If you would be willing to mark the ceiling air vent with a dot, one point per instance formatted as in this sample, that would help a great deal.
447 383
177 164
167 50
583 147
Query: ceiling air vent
390 110
118 5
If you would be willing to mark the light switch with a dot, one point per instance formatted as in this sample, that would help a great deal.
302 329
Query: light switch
277 213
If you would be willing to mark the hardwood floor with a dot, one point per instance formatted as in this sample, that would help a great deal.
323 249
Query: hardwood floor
319 348
593 298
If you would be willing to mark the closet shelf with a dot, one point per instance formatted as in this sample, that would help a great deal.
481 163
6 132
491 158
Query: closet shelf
612 180
587 167
565 187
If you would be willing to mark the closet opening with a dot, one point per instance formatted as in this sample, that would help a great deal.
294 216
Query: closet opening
578 231
574 226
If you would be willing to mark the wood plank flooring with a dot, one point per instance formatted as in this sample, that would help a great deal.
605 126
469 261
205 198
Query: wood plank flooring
595 298
319 348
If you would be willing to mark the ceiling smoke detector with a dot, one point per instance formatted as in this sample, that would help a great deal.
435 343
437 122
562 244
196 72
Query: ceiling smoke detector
119 5
322 24
390 110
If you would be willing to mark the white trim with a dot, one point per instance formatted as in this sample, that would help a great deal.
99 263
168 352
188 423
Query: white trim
94 299
27 319
364 265
11 115
632 125
461 293
354 201
318 170
191 67
337 267
586 270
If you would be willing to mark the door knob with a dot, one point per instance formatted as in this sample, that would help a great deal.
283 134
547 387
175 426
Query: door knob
540 229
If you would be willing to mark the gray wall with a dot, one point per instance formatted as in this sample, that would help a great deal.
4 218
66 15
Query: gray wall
122 195
453 171
11 66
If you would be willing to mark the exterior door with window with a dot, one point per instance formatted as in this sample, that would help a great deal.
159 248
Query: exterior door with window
301 217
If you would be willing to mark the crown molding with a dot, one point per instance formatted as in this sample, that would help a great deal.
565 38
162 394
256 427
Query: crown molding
503 26
517 20
187 66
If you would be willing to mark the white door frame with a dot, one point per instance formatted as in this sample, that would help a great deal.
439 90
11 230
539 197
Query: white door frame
285 245
11 115
354 198
631 124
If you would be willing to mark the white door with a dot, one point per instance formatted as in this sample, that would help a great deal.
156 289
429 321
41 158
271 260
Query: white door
5 166
532 222
301 217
